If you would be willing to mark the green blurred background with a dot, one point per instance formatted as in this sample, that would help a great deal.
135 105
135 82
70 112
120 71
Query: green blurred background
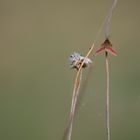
36 39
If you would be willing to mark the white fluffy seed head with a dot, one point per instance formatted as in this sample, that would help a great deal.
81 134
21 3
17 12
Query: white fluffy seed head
76 60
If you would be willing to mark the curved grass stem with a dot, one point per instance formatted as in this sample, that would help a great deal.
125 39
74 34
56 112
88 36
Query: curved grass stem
77 83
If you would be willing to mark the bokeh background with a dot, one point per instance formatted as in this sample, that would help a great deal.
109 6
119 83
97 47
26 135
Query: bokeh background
36 39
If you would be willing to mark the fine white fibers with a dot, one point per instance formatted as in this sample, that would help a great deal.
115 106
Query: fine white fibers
76 60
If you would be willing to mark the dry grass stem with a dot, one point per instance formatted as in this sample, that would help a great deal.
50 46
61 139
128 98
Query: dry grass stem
107 97
77 83
108 18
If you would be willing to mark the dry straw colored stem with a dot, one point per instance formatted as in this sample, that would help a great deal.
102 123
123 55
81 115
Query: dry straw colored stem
74 103
107 27
107 97
77 83
108 19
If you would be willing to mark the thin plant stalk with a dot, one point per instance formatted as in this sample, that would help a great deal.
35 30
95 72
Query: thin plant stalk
77 83
107 97
107 27
108 19
74 102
